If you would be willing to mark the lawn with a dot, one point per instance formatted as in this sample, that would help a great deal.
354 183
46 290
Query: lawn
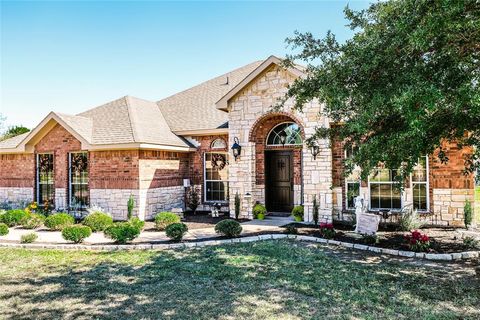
263 280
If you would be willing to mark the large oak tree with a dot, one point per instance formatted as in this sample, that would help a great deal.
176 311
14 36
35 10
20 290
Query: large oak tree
406 81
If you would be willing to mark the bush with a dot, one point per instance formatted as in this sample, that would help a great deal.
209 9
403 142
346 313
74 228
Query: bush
32 221
229 228
471 243
297 213
3 229
137 223
467 213
164 219
193 199
418 242
327 231
76 233
122 232
98 221
28 238
58 221
370 239
315 210
130 205
176 231
259 211
291 229
13 217
237 206
409 220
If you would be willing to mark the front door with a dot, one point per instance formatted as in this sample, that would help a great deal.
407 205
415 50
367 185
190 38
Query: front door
279 181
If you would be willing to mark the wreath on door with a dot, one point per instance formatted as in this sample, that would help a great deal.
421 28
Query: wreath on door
219 161
79 163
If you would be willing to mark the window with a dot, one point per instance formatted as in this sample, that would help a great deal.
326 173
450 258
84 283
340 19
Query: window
78 180
219 144
289 131
45 180
352 182
384 194
420 185
216 177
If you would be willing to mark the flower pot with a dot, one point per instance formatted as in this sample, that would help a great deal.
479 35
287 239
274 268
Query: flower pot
260 216
297 219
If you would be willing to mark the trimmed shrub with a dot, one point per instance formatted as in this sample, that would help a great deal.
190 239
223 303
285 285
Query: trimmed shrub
58 221
130 205
13 217
98 221
29 237
76 233
297 213
237 206
122 232
259 211
137 223
176 231
164 219
32 221
3 229
229 228
471 243
409 220
315 210
467 213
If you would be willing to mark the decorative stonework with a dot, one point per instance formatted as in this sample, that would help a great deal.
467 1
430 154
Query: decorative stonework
16 195
114 201
61 199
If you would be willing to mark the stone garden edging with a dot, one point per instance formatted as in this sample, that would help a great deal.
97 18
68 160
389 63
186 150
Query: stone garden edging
164 246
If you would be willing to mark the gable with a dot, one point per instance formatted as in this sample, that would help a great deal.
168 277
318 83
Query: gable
58 137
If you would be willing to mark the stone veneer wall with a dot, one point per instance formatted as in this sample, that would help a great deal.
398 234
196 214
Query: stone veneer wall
253 102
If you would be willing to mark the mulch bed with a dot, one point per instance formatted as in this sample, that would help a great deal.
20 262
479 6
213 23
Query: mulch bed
443 240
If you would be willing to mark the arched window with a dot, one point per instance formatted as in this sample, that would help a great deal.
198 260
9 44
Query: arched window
218 144
287 133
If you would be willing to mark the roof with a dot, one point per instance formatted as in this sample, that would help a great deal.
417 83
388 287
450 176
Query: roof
194 108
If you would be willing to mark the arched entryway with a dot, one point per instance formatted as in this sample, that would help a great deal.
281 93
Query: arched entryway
278 139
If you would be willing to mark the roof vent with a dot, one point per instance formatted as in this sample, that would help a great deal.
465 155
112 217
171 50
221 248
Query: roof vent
227 81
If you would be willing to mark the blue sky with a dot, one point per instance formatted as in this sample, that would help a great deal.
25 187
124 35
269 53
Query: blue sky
71 56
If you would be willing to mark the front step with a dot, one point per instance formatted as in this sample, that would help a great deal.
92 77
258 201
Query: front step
279 214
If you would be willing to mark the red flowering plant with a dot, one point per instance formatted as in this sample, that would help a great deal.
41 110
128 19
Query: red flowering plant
417 241
327 231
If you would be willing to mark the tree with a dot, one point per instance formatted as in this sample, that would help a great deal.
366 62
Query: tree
406 81
14 131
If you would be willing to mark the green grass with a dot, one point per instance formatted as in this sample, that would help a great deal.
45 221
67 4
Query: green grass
263 280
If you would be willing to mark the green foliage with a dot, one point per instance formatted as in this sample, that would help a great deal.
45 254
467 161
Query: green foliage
58 221
76 233
98 221
418 242
32 220
297 213
3 229
29 237
229 228
409 219
14 131
467 213
237 206
163 219
369 239
407 80
193 199
123 232
315 210
327 230
291 229
471 243
12 217
130 205
259 211
137 223
176 231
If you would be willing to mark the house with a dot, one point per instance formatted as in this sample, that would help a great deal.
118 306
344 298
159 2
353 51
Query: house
148 149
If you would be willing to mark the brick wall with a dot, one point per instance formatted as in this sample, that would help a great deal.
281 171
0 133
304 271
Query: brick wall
117 169
17 170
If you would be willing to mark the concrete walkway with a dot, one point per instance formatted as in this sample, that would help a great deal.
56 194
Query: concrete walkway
270 224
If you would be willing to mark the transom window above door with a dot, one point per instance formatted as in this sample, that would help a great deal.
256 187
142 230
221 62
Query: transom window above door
287 133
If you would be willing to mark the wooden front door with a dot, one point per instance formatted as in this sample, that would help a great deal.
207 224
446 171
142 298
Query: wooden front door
279 181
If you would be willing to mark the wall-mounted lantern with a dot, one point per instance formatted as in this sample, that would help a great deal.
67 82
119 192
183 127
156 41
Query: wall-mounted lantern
283 137
315 150
236 148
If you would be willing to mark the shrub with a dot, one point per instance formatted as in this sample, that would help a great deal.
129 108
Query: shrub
193 199
122 232
164 219
137 223
409 220
467 213
471 243
237 206
76 233
297 213
3 229
58 221
13 217
259 211
98 221
229 228
176 231
370 239
32 221
291 229
28 238
315 210
417 241
130 205
327 231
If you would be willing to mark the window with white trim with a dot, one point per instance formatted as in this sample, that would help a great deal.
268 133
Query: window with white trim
290 131
216 177
78 180
419 180
384 193
218 144
45 179
352 182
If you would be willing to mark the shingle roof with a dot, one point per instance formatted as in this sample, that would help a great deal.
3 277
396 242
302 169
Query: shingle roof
13 142
194 108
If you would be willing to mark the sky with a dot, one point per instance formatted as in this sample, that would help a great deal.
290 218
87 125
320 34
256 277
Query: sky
68 56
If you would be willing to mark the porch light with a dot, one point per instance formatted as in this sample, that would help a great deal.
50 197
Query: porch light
283 137
315 150
236 148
